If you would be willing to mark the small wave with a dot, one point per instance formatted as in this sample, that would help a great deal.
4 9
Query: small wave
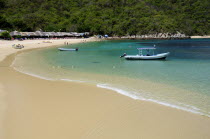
34 75
30 74
136 96
69 80
120 91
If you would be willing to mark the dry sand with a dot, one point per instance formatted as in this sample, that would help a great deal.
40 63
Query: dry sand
200 37
32 108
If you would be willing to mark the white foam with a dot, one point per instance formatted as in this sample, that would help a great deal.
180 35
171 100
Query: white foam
69 80
120 91
136 96
34 75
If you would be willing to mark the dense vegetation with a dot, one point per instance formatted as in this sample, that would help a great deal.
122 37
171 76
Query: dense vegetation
5 35
113 17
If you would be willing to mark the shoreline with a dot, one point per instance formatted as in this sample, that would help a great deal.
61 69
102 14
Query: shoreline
144 87
130 94
96 112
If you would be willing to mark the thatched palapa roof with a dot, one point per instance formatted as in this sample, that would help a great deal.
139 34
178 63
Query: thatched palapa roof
48 34
15 33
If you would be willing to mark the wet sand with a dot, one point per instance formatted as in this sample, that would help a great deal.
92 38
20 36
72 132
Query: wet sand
32 108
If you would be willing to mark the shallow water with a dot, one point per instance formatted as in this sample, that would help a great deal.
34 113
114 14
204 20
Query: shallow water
181 81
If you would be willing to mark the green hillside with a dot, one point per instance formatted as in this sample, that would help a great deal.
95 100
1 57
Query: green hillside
113 17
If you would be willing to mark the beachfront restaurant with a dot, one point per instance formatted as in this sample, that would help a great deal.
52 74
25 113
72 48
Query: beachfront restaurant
40 34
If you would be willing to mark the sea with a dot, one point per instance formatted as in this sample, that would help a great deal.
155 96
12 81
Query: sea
182 81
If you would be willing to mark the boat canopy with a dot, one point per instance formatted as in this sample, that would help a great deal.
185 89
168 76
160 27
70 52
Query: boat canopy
146 48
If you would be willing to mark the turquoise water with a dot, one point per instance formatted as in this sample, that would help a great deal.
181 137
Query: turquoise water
181 81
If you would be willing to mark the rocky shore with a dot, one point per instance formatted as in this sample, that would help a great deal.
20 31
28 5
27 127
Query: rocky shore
177 35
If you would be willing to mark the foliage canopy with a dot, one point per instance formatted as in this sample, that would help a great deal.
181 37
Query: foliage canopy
5 35
112 17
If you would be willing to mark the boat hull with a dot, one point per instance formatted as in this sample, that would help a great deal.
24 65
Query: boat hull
153 57
67 49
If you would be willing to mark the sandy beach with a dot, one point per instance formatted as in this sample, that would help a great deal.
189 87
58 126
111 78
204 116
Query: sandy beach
6 46
200 37
33 108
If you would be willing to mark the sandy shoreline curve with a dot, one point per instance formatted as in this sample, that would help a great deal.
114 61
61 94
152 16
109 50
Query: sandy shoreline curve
7 49
200 37
35 108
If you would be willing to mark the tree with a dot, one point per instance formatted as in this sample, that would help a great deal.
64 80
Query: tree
5 35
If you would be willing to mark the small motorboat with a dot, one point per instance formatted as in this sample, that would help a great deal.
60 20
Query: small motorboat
68 49
147 56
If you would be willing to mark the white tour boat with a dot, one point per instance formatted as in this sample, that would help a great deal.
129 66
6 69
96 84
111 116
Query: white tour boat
148 56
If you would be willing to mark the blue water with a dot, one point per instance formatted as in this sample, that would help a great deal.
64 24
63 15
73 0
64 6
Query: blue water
181 81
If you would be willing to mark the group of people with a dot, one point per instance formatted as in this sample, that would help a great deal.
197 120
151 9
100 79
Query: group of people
66 43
